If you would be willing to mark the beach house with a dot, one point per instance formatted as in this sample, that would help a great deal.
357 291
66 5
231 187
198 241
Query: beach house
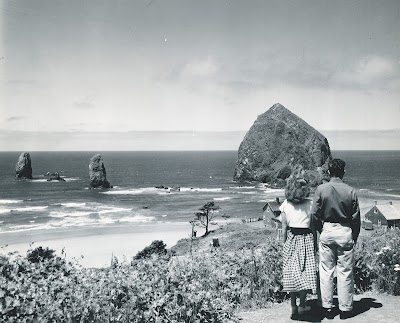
271 214
387 214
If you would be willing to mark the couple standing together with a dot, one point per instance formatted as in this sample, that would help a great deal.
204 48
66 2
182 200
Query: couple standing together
335 214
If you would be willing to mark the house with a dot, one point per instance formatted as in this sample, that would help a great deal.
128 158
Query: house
271 214
384 215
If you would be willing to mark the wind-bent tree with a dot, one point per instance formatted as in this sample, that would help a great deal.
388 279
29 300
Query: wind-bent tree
206 214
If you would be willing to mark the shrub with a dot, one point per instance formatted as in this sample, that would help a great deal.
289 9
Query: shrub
206 287
377 262
39 254
157 247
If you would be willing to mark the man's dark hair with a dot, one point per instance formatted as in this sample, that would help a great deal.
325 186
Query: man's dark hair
336 167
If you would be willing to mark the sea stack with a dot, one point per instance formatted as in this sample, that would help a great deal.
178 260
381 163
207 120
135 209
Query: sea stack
97 173
277 143
23 167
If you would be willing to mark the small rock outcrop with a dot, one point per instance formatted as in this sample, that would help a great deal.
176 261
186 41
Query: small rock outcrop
54 177
278 142
23 167
97 173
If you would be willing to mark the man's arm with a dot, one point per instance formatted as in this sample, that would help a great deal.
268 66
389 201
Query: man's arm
356 217
316 212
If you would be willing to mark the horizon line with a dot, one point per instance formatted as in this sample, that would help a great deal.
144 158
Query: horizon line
158 150
182 131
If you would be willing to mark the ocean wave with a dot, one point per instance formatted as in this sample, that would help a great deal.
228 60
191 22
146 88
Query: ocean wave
273 190
27 227
159 191
41 180
107 221
71 214
107 210
137 218
10 201
24 226
143 190
248 193
68 222
242 187
198 189
73 204
389 195
70 179
28 209
124 192
222 198
381 194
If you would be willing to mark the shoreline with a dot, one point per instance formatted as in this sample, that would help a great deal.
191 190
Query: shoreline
99 245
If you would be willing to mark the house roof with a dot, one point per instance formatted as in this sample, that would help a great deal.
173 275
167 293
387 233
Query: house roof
390 211
274 205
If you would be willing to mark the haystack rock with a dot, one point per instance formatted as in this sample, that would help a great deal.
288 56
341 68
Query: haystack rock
279 142
23 167
97 173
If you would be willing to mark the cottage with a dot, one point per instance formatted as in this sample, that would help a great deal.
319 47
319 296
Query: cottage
384 215
271 214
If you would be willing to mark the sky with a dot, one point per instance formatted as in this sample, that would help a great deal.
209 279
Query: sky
189 75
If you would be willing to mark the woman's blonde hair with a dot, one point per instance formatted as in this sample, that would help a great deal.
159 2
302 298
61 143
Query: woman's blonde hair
297 188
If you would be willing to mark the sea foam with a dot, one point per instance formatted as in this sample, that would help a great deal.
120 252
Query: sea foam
72 214
222 198
198 189
73 205
10 201
29 209
124 192
137 218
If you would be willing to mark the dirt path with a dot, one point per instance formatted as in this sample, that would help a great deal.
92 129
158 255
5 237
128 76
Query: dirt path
368 308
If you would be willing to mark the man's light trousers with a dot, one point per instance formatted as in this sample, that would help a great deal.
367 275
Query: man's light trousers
336 253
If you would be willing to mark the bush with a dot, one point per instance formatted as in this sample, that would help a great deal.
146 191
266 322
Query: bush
39 254
157 247
377 262
206 287
151 290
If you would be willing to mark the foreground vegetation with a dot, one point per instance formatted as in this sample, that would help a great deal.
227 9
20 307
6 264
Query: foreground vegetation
206 285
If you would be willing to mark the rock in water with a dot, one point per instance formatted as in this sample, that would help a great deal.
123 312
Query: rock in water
23 167
97 173
278 142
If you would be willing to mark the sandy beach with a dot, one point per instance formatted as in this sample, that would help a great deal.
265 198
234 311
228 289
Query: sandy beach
96 245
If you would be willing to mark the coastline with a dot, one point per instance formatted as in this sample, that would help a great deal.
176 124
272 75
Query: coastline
99 245
95 247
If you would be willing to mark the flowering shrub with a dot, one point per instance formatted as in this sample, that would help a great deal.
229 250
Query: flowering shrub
377 262
203 287
206 287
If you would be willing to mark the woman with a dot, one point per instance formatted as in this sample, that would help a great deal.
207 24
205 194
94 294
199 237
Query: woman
299 269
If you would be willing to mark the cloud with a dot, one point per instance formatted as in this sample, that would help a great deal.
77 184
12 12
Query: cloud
200 68
15 118
84 104
370 70
21 82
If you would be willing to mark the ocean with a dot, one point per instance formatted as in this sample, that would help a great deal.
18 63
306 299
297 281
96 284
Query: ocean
39 210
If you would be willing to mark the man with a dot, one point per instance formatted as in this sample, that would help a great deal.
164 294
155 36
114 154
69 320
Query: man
336 215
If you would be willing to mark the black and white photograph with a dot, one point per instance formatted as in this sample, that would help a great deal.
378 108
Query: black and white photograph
199 161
